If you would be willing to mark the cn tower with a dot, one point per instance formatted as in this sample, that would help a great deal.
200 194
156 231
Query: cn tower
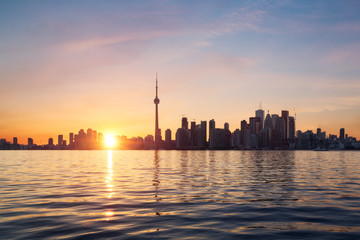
157 130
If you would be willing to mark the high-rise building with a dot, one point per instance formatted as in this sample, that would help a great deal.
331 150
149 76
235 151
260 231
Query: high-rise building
273 118
71 139
260 113
285 116
167 135
60 140
184 123
268 122
30 142
254 123
226 126
280 127
292 128
15 141
193 136
201 134
51 142
342 133
157 130
211 127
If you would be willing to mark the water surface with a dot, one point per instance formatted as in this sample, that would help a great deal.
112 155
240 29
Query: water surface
179 195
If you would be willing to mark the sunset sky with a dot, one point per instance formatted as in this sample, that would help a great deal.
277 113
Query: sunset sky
67 65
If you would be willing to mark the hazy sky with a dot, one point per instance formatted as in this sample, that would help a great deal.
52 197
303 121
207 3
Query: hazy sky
66 65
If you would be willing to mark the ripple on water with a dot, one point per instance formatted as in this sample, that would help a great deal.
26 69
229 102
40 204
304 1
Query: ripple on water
179 194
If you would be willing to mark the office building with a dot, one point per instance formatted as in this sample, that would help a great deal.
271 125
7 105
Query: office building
260 114
285 116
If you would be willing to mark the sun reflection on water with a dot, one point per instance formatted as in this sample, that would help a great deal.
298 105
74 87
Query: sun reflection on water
109 183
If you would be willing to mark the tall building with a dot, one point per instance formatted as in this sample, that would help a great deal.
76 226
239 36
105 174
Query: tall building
157 130
254 123
184 123
30 142
201 134
273 118
260 113
268 122
342 133
51 142
226 126
167 135
285 116
292 128
211 127
71 139
193 135
60 140
15 141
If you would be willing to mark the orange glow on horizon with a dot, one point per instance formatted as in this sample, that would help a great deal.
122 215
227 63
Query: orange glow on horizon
110 140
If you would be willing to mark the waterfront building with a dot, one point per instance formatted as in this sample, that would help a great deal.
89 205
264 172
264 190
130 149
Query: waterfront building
285 116
184 123
268 122
291 128
342 133
71 139
273 118
60 140
260 114
168 136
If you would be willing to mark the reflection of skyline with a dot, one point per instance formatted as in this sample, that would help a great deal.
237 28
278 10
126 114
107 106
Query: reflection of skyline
156 180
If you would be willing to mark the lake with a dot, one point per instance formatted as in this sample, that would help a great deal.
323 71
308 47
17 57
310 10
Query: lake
179 195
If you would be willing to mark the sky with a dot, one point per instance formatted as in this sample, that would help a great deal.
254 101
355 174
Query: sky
71 65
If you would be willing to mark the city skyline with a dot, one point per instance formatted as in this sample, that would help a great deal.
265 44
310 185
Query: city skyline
65 65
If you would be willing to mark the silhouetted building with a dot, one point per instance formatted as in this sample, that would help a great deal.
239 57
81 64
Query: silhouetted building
51 142
273 118
226 126
211 127
260 114
30 142
182 138
292 128
285 116
60 140
167 135
184 123
342 133
254 125
268 122
71 139
193 135
15 141
220 139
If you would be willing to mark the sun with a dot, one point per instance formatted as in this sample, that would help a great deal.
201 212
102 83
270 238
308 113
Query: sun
110 141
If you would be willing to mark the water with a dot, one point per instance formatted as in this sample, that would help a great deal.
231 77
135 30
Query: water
179 195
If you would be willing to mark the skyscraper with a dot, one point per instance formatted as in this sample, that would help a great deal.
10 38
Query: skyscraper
285 116
184 123
291 128
342 133
60 140
157 130
168 136
260 113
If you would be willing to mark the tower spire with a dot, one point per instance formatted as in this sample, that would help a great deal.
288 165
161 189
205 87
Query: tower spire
156 86
157 130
